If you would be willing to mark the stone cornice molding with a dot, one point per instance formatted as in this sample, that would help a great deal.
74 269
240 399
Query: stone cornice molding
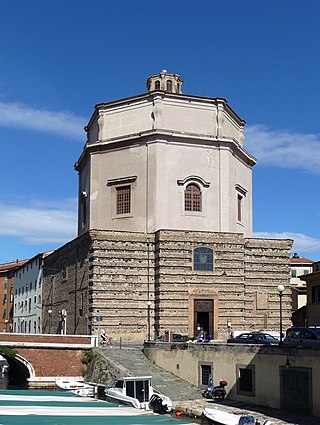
197 179
152 136
122 180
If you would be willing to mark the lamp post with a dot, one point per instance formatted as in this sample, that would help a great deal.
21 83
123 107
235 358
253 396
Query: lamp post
149 327
50 319
280 292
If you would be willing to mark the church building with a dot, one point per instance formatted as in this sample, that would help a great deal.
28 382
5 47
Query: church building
165 225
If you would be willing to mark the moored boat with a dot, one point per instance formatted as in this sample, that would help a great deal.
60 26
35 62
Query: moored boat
79 388
221 417
138 392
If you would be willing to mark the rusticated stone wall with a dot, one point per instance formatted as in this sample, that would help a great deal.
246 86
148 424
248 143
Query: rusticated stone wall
103 279
66 287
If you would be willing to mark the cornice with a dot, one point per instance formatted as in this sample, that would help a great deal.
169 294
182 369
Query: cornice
167 136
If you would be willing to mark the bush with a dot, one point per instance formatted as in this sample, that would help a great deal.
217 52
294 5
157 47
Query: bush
8 352
88 356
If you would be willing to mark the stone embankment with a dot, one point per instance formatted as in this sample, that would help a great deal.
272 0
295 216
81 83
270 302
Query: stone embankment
110 363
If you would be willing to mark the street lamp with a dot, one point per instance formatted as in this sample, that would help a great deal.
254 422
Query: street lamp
50 319
280 292
149 330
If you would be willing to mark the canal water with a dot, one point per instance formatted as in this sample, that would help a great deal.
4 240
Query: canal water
28 407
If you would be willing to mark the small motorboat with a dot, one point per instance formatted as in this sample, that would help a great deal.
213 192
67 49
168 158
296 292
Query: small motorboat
79 388
221 417
138 392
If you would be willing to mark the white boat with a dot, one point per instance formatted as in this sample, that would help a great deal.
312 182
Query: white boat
79 388
221 417
138 392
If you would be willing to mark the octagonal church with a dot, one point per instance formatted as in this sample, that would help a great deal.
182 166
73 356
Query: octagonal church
165 225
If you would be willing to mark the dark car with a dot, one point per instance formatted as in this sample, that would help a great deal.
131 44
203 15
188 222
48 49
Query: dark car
178 338
253 338
175 338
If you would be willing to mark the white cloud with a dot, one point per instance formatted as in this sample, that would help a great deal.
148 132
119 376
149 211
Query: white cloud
62 123
41 222
303 244
283 148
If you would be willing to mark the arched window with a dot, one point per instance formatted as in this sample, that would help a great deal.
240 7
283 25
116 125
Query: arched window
203 259
157 85
192 198
169 86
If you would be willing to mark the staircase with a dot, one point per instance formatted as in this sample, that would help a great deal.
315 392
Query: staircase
137 364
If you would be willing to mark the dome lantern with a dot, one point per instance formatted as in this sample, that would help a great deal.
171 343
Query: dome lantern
170 83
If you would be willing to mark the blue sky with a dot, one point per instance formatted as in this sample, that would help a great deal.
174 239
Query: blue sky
59 58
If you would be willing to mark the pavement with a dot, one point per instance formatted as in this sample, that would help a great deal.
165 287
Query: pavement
187 398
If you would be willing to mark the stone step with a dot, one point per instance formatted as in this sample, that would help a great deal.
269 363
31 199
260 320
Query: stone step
134 360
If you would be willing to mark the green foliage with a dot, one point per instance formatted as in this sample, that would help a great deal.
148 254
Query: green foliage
7 352
88 356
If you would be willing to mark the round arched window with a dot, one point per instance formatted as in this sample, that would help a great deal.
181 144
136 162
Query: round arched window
192 198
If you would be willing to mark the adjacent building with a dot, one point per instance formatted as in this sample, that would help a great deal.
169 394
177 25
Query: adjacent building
7 279
27 315
312 310
299 267
165 224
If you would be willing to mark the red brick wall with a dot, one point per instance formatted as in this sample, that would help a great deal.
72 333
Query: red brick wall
54 362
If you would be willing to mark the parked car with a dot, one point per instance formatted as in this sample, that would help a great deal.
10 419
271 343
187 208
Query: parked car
175 338
302 336
178 338
253 338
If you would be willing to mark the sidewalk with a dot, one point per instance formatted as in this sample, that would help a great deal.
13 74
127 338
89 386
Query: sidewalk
195 408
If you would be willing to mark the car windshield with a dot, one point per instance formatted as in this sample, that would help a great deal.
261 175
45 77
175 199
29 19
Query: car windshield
269 337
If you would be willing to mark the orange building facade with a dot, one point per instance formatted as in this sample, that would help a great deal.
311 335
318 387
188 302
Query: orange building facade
7 278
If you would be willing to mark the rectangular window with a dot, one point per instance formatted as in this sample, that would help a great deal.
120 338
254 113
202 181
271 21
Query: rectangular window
316 294
240 207
123 200
246 380
203 259
205 373
293 273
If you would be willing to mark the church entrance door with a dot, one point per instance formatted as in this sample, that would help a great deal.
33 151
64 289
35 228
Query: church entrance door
203 317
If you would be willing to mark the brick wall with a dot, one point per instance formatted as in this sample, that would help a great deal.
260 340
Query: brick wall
54 362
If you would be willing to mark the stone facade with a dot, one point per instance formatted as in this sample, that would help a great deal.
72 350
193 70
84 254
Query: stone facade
116 273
